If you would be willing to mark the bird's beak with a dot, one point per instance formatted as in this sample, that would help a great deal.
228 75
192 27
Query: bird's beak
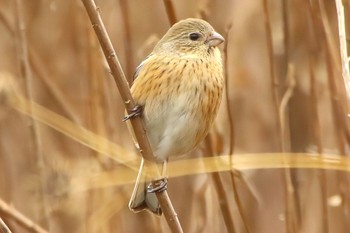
215 39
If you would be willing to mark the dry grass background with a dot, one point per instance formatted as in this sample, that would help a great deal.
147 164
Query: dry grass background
285 94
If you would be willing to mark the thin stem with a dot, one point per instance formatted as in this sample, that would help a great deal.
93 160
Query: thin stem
222 194
318 138
273 80
314 45
26 73
343 46
3 227
285 35
170 11
20 218
127 39
231 132
289 187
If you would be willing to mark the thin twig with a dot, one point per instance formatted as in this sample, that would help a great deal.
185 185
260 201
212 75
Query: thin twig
137 123
285 15
228 106
273 80
314 45
291 201
328 46
3 227
289 187
170 11
20 218
283 106
127 39
317 134
343 46
203 10
336 96
231 132
220 188
26 73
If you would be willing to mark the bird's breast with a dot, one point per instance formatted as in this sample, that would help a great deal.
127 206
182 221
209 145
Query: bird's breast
181 100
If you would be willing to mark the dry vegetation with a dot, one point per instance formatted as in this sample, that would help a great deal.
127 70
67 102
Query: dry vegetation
67 161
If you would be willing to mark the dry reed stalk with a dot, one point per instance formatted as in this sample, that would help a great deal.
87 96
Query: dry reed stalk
137 123
335 97
285 21
203 10
290 189
127 39
273 80
220 188
227 98
170 11
231 132
19 218
3 227
343 46
26 73
316 125
291 215
339 115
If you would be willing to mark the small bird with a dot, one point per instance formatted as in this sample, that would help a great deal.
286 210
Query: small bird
179 88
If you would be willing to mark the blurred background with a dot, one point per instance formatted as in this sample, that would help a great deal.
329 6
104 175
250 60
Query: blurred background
285 93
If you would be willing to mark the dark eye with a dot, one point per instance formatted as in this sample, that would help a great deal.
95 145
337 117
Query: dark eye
194 36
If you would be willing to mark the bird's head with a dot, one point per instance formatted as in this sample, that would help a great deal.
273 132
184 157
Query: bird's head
191 35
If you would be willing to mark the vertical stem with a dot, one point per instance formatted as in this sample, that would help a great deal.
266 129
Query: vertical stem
28 81
273 80
127 40
317 134
170 11
343 46
318 138
222 194
285 34
291 215
231 132
338 115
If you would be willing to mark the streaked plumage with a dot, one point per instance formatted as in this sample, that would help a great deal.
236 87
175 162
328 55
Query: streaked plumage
180 86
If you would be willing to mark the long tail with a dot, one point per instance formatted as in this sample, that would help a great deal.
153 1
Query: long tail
140 198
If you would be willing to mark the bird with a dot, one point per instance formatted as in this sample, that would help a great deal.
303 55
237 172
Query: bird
178 89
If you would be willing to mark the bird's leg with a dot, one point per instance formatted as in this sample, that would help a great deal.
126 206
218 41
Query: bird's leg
134 112
161 184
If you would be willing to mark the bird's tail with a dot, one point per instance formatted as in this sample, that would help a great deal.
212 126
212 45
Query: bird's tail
140 198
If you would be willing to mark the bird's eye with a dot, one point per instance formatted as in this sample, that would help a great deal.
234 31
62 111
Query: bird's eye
194 36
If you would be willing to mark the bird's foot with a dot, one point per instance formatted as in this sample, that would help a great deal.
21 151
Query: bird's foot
158 186
134 112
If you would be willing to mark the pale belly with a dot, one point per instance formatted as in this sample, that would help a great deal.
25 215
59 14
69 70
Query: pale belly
175 129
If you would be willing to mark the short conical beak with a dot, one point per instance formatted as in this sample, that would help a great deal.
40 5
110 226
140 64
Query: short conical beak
215 39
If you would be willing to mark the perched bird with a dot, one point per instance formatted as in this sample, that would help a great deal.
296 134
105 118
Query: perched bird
179 88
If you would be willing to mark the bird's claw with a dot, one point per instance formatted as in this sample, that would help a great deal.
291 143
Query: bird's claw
134 112
158 186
